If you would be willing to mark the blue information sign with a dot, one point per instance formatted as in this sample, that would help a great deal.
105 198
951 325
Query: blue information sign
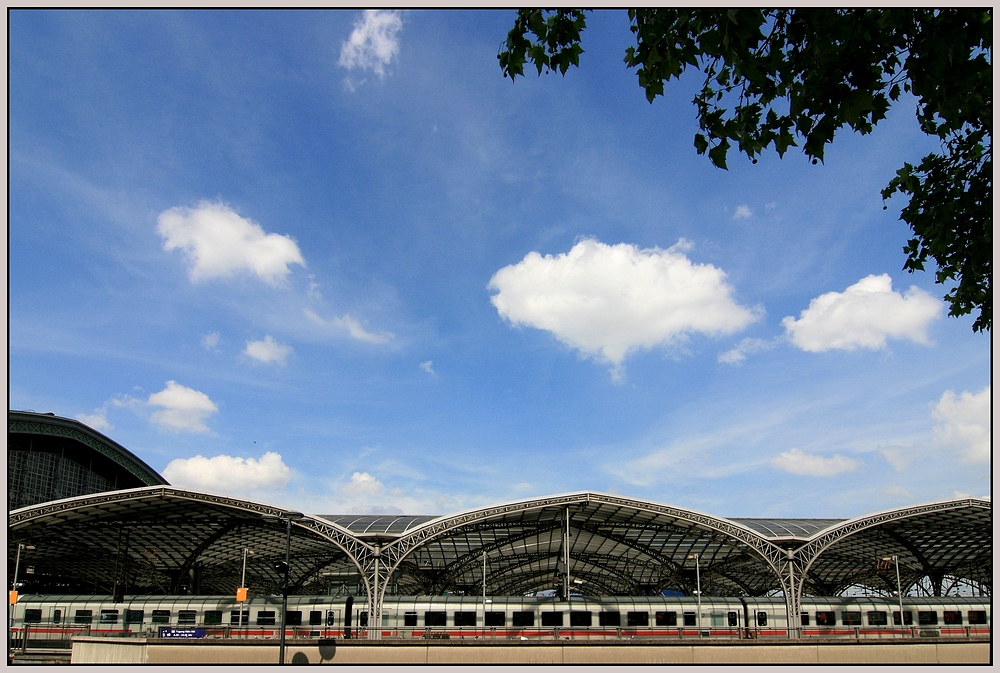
174 632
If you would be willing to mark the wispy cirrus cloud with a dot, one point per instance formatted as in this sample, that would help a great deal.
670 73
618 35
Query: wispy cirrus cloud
796 461
349 324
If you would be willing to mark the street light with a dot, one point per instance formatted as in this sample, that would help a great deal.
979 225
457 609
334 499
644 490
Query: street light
283 567
697 571
899 589
242 594
13 590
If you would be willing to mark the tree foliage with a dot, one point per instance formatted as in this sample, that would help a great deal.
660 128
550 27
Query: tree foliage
785 78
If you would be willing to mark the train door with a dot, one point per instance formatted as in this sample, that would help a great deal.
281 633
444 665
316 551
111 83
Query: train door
58 621
333 618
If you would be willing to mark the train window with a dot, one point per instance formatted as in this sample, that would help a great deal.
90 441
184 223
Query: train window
32 616
293 618
977 616
580 618
826 618
928 618
57 616
907 618
331 617
465 619
523 618
952 617
315 618
363 618
637 619
83 617
690 619
410 619
265 618
666 619
877 618
213 617
552 619
134 616
109 616
494 619
609 618
187 616
732 619
435 618
761 619
234 617
161 617
851 618
804 617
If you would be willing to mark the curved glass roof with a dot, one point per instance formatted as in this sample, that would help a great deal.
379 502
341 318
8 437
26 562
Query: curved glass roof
160 536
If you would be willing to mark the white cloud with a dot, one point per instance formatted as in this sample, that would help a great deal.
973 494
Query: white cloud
747 346
964 425
863 316
742 212
900 457
220 243
184 409
373 43
267 351
428 366
229 474
210 341
609 300
797 462
351 326
98 421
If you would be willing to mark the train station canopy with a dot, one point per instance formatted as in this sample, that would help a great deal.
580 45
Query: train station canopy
164 540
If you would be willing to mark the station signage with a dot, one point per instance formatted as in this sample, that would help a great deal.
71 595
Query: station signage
174 632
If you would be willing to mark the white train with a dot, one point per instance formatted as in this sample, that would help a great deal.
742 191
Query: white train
56 617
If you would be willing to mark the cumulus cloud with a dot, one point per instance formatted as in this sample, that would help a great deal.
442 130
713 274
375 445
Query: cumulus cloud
863 316
229 474
210 341
219 243
267 351
428 366
183 408
746 347
609 300
373 43
98 420
742 212
798 462
964 425
349 324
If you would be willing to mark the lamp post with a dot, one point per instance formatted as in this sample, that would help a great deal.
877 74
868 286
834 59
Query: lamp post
697 574
12 598
899 590
283 568
242 595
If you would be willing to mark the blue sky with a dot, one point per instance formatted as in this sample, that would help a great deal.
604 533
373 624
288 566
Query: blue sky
335 261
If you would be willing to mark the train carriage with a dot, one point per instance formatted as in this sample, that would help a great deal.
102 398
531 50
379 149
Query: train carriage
528 617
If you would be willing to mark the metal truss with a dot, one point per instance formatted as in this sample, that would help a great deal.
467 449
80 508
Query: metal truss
18 424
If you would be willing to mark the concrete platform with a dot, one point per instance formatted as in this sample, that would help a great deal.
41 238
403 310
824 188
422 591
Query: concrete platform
92 650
